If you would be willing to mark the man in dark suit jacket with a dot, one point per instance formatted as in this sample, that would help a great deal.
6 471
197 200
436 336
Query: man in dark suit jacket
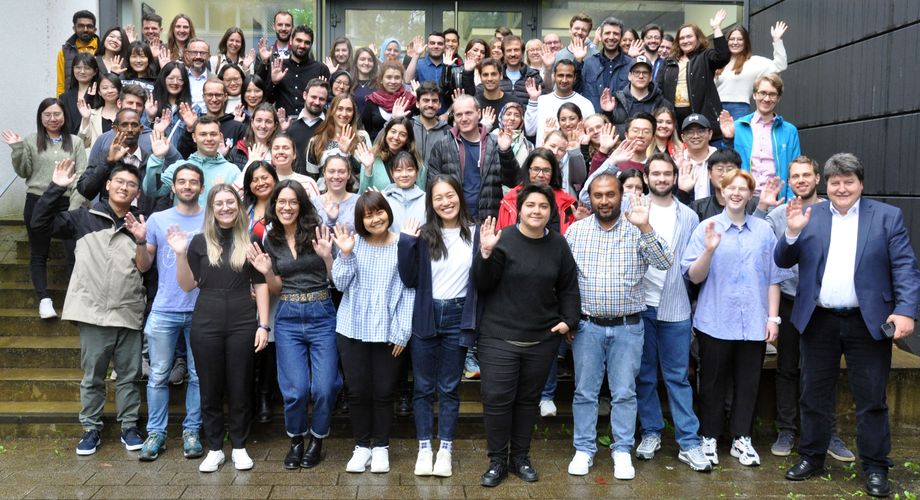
857 272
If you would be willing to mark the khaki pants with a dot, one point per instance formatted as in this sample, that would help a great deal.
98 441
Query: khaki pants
98 346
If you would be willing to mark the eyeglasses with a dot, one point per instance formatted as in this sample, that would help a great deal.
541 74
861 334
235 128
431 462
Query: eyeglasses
542 171
641 73
640 131
121 182
214 95
763 95
723 169
695 132
194 53
173 79
53 115
86 26
233 80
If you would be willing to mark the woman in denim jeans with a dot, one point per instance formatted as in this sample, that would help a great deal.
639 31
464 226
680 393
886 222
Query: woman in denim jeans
435 260
296 264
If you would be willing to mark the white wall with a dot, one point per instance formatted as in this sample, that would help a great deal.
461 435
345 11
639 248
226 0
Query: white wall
32 35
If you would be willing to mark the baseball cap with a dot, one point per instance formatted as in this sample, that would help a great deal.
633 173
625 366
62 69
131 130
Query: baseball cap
695 119
640 60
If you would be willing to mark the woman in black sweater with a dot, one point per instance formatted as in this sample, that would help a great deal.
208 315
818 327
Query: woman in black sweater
528 285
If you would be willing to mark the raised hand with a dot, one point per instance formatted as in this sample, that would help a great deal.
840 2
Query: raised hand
117 150
84 109
581 212
777 30
608 102
608 137
472 59
457 93
686 176
550 124
137 226
636 48
548 57
117 65
727 124
91 91
584 138
488 117
332 209
579 49
416 47
247 61
488 237
573 138
239 113
284 119
333 67
64 174
258 258
130 32
373 47
344 239
504 139
769 194
188 115
637 214
366 157
399 107
625 151
278 70
797 217
533 90
716 22
151 107
163 121
346 139
322 242
265 52
414 85
159 146
10 137
449 56
411 227
257 152
712 237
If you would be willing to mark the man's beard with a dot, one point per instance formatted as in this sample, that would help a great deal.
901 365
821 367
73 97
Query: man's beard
614 214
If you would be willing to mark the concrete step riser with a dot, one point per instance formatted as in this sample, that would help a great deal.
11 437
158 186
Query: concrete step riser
24 252
18 272
69 390
16 326
26 299
16 357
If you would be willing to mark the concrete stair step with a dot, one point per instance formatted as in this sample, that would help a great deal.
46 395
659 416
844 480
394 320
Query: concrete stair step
22 295
23 250
17 271
40 352
25 322
61 385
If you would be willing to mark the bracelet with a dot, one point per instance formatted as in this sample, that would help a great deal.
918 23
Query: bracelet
141 242
265 327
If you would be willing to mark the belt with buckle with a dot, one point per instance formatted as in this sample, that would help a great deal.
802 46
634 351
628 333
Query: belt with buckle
843 312
305 297
630 319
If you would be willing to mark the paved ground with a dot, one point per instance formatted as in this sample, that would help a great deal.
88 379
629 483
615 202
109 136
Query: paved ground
50 469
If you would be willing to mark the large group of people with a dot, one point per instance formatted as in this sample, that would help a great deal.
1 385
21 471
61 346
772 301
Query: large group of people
270 214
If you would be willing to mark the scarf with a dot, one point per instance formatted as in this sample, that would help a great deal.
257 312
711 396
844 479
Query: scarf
386 99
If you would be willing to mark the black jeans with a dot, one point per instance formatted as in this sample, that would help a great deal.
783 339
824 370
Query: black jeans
826 337
722 361
371 373
265 372
223 337
512 378
40 246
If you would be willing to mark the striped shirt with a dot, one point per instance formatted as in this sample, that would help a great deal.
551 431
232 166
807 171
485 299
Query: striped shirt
376 306
674 304
611 265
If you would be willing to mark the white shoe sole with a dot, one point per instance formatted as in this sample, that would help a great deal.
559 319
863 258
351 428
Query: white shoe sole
210 468
739 455
645 455
357 470
706 468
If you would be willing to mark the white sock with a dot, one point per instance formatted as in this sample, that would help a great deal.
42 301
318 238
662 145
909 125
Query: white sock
424 444
447 445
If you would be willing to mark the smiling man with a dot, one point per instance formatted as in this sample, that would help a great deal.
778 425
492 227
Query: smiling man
84 39
607 69
291 76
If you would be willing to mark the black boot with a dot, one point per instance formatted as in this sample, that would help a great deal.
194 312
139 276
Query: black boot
341 403
265 413
314 454
404 406
295 454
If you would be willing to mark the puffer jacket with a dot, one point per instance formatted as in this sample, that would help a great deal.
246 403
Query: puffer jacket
105 289
518 90
701 70
627 105
497 168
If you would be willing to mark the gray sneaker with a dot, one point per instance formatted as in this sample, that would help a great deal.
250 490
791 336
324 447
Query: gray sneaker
783 445
696 459
154 444
191 445
649 445
838 449
178 372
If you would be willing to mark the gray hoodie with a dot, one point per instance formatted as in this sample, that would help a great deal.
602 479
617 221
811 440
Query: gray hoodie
405 203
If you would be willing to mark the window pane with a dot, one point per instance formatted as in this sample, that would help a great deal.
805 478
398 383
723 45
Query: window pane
364 27
473 24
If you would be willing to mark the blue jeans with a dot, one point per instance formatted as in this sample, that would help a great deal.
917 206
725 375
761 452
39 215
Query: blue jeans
437 365
620 349
164 330
667 344
552 381
736 109
308 364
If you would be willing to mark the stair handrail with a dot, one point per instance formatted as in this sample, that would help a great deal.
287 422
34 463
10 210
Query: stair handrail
6 187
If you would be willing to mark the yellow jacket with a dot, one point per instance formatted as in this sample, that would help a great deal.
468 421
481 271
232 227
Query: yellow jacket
72 46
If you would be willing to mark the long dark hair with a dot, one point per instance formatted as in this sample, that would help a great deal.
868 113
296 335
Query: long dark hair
222 44
112 78
307 219
87 59
43 138
249 198
372 77
152 64
161 94
100 50
555 179
431 231
382 149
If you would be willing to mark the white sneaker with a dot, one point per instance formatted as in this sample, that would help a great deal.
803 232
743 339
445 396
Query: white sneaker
423 462
241 459
622 466
212 461
581 464
743 450
443 466
695 458
709 448
360 459
547 408
46 309
380 459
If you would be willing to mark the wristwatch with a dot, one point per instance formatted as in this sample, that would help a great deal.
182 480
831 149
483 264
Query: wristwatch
265 327
775 319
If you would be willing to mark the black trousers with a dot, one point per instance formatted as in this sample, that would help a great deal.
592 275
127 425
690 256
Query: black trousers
788 373
40 246
371 373
223 337
266 372
512 378
826 337
723 362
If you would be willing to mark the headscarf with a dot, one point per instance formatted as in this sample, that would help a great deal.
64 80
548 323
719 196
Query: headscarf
383 48
517 135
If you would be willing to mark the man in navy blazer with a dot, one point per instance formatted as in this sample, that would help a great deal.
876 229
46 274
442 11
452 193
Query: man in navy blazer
857 272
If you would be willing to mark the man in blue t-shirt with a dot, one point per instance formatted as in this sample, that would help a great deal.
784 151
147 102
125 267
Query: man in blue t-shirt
170 318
